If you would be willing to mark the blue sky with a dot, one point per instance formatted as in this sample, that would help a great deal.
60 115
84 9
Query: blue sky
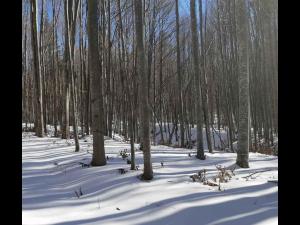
183 8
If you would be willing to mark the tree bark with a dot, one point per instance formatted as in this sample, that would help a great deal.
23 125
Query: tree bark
179 80
195 53
37 72
148 173
96 87
244 104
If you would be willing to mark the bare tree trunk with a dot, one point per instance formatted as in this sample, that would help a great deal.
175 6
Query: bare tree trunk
55 105
96 87
108 73
244 104
82 80
66 109
148 173
73 16
71 9
204 83
131 128
161 81
179 80
37 73
41 65
195 52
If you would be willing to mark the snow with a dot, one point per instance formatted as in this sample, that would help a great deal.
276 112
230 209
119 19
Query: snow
171 198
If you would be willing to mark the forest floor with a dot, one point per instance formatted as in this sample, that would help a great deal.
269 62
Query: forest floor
51 174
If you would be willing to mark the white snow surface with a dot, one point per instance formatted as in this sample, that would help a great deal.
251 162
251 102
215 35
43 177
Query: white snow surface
171 198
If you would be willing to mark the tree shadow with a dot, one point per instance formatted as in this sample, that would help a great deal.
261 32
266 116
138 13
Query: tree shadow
46 189
241 210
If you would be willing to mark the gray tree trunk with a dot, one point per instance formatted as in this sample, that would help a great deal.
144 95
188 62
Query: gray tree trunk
195 53
145 125
204 83
67 88
244 102
37 73
108 74
71 9
179 80
96 86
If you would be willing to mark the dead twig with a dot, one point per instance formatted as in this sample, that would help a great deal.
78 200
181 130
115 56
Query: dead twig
210 183
250 175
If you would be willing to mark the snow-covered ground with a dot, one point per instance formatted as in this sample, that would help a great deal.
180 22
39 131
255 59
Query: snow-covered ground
214 134
51 175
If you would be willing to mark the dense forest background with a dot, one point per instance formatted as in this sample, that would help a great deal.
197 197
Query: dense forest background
187 81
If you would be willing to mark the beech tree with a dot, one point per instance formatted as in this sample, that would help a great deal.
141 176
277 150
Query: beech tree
143 91
180 103
244 102
195 48
36 71
99 158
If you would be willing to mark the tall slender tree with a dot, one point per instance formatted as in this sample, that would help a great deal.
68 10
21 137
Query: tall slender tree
36 70
203 81
244 101
179 79
195 55
67 83
96 87
143 85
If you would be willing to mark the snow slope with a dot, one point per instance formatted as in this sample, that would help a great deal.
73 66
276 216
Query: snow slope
170 199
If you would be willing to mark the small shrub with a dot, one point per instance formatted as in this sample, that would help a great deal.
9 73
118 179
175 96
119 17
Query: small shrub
124 154
122 171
